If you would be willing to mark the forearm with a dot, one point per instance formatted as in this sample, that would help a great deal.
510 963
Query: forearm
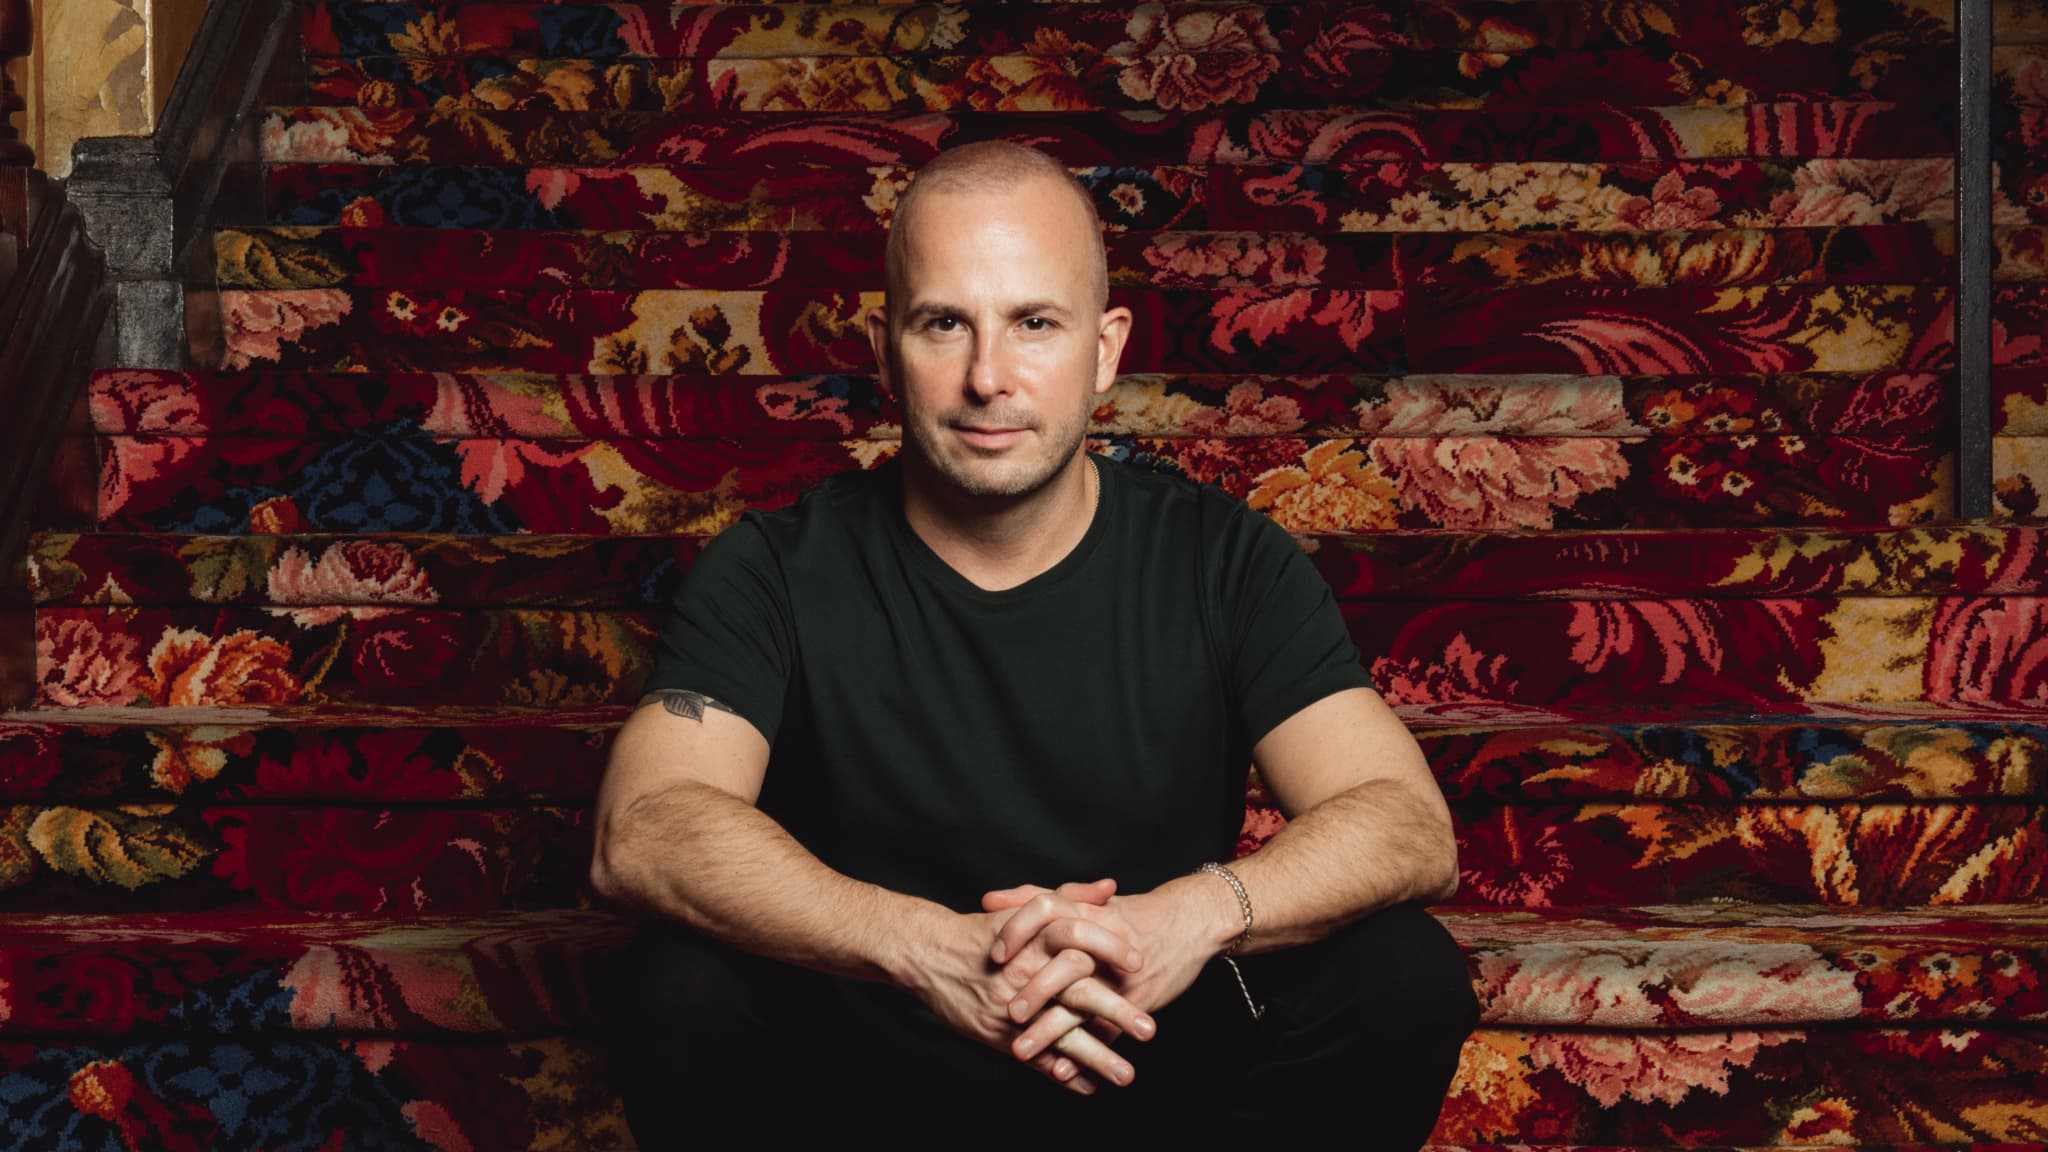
1371 847
693 853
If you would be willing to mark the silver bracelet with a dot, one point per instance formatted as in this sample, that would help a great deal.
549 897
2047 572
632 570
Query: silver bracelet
1244 905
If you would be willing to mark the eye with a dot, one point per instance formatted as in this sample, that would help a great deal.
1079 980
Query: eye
942 324
1037 324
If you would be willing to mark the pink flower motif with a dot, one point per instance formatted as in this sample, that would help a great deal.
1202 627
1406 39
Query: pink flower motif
1828 193
347 577
1606 630
1490 483
1463 673
1650 1068
79 666
1665 984
1247 411
551 186
1236 260
1670 205
1191 60
1989 650
258 325
1264 315
1354 48
163 409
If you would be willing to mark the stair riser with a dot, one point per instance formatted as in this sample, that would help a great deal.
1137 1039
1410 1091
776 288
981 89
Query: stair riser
399 479
1590 134
449 860
1396 197
818 77
1436 267
1905 1088
514 763
283 405
1563 655
78 570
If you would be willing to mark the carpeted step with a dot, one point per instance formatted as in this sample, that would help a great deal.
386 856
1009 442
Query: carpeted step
842 406
399 479
1756 654
265 974
1432 264
809 77
341 570
554 758
539 973
1897 1089
1591 134
330 186
800 330
654 29
388 858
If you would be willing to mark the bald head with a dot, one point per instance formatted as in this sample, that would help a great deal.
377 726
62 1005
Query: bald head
994 166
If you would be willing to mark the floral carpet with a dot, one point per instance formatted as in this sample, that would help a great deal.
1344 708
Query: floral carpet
1600 353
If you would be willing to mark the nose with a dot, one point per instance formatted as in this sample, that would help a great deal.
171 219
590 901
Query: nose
986 379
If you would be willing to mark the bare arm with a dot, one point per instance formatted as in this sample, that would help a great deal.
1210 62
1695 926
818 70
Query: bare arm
678 836
1368 829
1367 825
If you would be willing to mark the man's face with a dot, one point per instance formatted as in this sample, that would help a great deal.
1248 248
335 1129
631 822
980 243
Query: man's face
995 348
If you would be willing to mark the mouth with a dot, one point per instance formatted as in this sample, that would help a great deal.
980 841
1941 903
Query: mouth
989 437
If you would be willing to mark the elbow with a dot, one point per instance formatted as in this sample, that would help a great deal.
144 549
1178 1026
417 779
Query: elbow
1441 875
610 879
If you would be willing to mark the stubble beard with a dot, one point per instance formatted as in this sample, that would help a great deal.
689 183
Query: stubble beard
987 480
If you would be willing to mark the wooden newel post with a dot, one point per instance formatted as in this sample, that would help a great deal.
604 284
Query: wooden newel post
17 36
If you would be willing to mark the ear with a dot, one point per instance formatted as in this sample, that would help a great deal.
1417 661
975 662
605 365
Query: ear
878 342
1109 346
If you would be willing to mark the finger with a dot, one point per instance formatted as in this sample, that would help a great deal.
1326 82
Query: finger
1003 899
1093 998
1065 1073
1041 911
1062 970
1095 1056
1062 1030
1110 943
1093 892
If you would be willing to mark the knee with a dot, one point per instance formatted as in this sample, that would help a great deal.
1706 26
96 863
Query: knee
671 982
1400 973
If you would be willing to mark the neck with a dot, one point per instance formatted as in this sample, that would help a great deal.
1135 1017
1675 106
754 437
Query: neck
1000 542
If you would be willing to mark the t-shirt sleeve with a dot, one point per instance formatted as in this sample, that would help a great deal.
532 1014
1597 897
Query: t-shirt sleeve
726 632
1287 645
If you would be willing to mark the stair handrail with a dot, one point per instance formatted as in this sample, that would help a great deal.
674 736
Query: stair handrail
53 301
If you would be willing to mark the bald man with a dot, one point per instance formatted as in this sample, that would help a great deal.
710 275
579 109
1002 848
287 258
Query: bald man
932 797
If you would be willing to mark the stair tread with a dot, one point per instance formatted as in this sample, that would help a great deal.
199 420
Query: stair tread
330 133
1652 967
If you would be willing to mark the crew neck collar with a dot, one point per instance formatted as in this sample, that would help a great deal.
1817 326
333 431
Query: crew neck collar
923 558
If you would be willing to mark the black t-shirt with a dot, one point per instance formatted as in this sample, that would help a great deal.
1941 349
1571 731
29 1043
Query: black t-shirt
939 739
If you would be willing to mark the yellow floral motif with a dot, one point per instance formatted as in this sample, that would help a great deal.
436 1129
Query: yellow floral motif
1783 21
129 846
1874 649
1337 490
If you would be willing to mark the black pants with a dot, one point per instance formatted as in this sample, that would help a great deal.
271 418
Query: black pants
713 1048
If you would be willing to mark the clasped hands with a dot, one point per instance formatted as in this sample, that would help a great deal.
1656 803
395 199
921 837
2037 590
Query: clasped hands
1056 976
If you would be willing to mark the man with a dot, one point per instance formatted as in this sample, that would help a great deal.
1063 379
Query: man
932 796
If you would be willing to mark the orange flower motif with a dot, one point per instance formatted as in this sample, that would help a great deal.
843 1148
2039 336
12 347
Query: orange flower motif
102 1089
1336 490
187 668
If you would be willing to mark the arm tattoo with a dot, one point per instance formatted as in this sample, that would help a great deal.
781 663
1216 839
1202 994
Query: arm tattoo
689 705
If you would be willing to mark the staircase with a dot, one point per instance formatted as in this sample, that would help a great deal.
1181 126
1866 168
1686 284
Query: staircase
1601 355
